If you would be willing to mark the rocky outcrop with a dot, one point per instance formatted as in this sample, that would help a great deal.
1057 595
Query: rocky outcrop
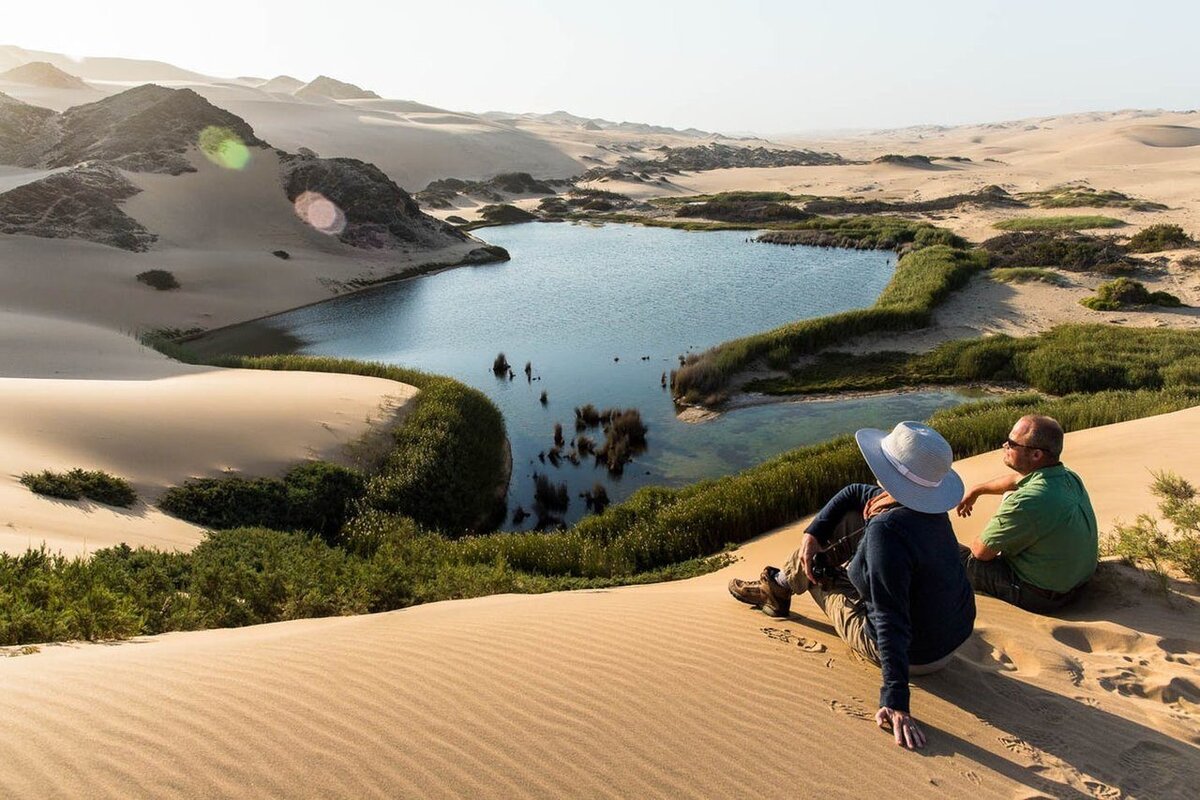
375 212
24 131
325 88
81 203
442 193
43 74
146 129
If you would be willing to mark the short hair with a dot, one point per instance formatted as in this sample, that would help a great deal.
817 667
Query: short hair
1045 434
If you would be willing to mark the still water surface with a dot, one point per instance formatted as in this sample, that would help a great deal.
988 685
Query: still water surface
602 313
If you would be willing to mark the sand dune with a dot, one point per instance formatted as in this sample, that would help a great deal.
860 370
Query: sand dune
660 691
1164 135
159 431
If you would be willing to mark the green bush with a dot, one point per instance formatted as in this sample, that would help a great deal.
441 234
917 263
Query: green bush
1025 274
1085 196
1154 238
77 484
923 278
1145 544
316 497
1076 252
1065 360
1068 223
1124 292
504 214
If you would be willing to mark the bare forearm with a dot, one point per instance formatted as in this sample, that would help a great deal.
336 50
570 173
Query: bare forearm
998 485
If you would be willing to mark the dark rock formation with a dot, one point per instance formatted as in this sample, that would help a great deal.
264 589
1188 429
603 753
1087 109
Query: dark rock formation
378 213
442 193
23 131
326 88
81 203
41 73
146 129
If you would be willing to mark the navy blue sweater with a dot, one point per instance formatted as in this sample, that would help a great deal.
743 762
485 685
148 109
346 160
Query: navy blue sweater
920 605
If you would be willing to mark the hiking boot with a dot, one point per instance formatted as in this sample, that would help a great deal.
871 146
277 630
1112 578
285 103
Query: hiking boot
747 591
777 601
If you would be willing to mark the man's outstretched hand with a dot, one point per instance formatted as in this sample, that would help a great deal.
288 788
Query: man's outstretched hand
908 733
966 505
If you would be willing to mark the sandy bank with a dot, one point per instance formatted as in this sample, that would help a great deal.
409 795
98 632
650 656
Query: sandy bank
659 691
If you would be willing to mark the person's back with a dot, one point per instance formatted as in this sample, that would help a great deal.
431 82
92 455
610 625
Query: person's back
940 602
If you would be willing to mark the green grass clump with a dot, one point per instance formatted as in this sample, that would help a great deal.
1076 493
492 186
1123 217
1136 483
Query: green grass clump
1076 252
742 211
1123 292
923 278
252 575
1026 274
316 496
1068 359
1154 238
1068 223
1145 544
77 484
1087 197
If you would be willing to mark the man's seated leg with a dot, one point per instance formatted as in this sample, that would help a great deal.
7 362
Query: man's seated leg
997 578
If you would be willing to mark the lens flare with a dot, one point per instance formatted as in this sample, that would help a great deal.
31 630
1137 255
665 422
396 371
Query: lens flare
320 212
223 147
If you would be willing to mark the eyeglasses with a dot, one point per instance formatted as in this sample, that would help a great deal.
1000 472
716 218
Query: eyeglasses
1011 443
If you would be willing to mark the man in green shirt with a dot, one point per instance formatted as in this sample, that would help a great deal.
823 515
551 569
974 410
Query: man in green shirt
1041 546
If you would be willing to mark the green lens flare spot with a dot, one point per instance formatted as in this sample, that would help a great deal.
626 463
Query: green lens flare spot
223 147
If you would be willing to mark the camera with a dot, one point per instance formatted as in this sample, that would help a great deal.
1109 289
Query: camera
824 571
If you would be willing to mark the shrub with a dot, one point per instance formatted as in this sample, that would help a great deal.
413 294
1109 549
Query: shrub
77 484
500 365
1154 238
1068 223
550 496
1025 274
1070 251
1124 292
504 214
159 279
1145 544
230 502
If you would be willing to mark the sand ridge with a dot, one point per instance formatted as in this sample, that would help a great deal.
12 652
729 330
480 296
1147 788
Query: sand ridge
660 691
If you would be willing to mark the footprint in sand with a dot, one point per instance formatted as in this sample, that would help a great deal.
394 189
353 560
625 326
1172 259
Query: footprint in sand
1157 770
789 637
1102 791
973 777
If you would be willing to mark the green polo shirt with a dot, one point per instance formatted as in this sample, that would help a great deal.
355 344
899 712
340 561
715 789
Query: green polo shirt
1046 530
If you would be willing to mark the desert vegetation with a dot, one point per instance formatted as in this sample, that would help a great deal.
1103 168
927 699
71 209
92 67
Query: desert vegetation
1123 293
1154 238
1087 197
1075 252
79 484
923 278
1061 223
387 560
1145 544
1066 360
1026 274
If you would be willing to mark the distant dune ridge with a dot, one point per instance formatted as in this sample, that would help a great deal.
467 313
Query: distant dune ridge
650 691
44 74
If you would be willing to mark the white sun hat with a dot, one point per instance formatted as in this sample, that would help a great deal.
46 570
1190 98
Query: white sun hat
913 464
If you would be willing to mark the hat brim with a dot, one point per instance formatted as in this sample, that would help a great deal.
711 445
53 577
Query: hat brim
928 500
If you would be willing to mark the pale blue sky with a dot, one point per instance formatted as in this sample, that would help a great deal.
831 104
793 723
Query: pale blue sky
765 65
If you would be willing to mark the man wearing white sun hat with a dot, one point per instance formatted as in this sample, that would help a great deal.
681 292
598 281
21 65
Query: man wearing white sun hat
903 601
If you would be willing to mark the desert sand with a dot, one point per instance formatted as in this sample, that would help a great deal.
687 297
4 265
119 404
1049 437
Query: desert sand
670 690
664 691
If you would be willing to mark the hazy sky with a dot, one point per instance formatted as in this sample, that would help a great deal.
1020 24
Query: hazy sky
768 66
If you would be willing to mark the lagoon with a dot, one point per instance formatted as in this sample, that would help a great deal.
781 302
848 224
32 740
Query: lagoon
602 312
